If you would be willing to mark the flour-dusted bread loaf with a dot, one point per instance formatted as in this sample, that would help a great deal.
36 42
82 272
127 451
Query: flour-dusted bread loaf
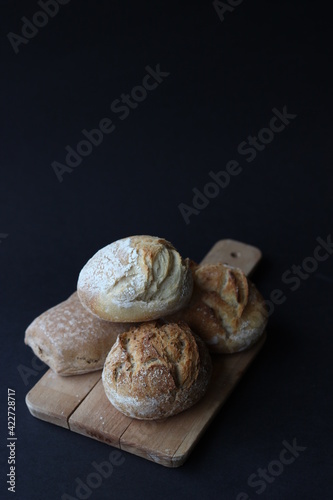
156 370
138 278
70 340
226 309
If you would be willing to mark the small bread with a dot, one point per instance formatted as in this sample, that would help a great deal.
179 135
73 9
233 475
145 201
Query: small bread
70 340
226 309
156 370
139 278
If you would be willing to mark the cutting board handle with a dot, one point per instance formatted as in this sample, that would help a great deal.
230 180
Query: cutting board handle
234 253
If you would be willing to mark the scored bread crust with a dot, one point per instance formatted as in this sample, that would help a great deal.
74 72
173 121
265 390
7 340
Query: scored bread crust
70 340
156 370
138 278
226 309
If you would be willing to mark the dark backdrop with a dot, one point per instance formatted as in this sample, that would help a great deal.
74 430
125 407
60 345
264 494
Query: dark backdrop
225 69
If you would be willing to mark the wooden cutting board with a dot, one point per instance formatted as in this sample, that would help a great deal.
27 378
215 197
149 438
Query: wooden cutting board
79 404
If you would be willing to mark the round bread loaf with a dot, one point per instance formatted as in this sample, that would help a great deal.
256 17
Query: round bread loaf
156 370
139 278
226 309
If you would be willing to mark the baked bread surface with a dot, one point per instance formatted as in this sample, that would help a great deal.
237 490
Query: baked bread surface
226 309
156 370
138 278
70 340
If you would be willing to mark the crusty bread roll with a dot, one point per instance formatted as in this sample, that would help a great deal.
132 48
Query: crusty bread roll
70 340
139 278
226 309
156 370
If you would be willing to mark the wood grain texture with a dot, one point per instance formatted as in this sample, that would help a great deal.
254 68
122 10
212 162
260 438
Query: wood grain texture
54 398
169 442
79 402
98 419
234 253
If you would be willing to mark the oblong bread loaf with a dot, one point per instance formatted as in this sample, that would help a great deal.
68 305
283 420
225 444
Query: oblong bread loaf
70 340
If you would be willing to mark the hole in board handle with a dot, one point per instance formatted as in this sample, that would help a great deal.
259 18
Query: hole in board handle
235 254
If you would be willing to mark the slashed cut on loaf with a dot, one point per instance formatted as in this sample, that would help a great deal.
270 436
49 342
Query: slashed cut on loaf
138 278
70 340
226 309
156 370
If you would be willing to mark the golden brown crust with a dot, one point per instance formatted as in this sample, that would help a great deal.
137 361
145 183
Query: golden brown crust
139 278
71 340
226 309
156 370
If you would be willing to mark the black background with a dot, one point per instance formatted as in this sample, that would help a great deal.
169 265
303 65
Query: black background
225 79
